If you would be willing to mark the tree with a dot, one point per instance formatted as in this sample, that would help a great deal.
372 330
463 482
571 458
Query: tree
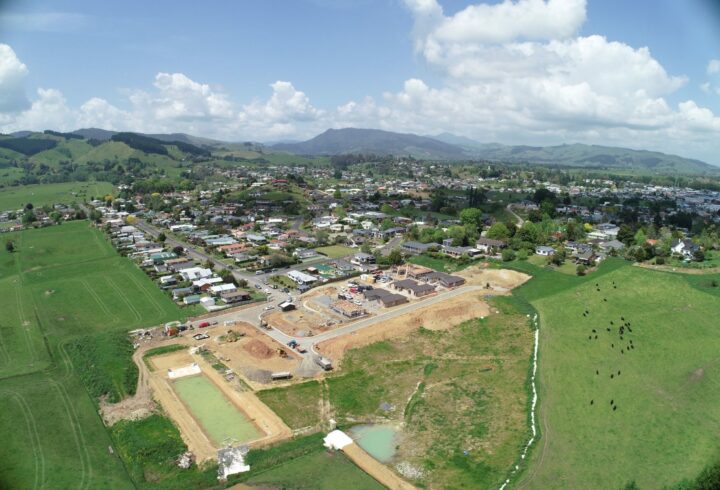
508 255
10 246
161 237
242 283
337 194
28 217
340 212
640 237
55 216
698 255
386 224
366 248
457 234
472 217
581 270
625 234
226 276
395 257
209 264
178 250
387 209
498 231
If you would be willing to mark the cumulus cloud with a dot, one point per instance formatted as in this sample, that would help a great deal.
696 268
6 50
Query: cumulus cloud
513 71
13 73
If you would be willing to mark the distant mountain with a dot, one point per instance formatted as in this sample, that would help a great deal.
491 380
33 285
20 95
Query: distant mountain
453 139
593 156
105 135
95 133
353 140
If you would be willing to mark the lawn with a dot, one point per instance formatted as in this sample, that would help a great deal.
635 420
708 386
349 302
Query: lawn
460 397
661 376
62 193
65 286
336 251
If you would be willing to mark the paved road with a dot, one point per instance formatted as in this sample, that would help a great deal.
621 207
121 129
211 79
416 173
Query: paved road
390 245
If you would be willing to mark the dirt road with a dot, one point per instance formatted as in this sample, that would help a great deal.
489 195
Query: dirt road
374 468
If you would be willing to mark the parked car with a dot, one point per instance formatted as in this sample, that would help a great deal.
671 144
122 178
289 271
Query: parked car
201 336
204 325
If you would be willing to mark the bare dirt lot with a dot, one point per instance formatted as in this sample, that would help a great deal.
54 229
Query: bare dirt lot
255 356
434 317
499 279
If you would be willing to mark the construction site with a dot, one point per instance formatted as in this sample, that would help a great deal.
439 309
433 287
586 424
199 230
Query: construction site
208 385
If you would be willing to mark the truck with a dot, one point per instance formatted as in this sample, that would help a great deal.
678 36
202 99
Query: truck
324 363
281 375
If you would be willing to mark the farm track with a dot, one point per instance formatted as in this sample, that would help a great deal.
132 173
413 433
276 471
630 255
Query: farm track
4 354
124 298
98 300
148 294
34 435
83 453
23 321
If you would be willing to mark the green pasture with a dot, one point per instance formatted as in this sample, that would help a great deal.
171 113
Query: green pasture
41 194
335 251
66 299
664 384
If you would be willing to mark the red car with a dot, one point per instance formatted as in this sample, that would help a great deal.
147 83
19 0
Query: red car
204 325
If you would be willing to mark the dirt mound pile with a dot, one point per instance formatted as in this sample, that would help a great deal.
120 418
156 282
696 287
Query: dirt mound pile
258 349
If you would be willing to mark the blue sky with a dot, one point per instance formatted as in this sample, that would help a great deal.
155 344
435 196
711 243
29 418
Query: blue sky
521 71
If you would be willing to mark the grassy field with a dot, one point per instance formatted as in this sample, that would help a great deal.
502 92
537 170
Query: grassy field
284 402
319 470
336 251
662 377
63 284
63 193
459 395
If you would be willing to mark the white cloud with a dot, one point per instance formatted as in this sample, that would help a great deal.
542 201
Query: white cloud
514 72
713 67
12 81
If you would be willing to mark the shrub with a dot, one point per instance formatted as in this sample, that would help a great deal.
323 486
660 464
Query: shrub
508 255
581 270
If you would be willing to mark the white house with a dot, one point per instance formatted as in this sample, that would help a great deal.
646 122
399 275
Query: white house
301 278
195 273
545 251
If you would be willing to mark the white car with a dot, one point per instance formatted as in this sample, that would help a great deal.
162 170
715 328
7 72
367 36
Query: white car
270 307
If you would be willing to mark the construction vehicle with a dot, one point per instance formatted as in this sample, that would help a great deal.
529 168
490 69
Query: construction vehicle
324 363
292 344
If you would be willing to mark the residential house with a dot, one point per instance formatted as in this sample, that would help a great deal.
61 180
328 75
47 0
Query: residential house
417 247
489 245
544 250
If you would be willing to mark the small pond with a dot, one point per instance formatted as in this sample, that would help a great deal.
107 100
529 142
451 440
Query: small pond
378 440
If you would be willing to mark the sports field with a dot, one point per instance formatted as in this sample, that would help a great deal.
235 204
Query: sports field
61 283
221 420
61 193
629 372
